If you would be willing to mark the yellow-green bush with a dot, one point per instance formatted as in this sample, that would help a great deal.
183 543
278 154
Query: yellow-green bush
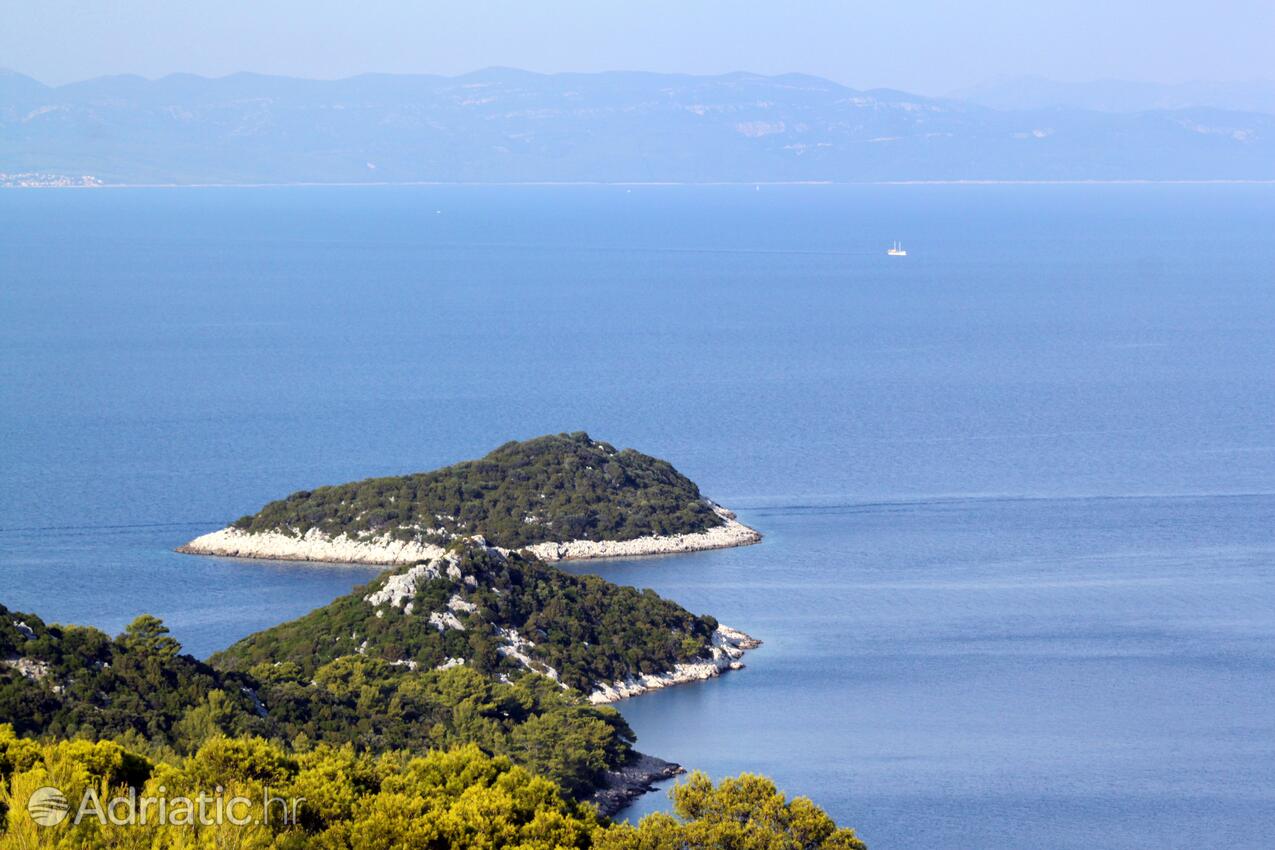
460 799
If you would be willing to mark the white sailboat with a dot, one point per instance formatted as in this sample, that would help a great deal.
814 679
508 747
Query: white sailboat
897 250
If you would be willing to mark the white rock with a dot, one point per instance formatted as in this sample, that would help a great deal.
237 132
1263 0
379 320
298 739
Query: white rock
31 668
314 545
728 647
516 646
444 620
402 586
456 603
730 533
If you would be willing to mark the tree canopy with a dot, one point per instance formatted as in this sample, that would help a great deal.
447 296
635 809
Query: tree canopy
586 630
554 488
77 682
338 798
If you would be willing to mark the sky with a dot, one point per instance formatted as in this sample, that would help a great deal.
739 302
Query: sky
924 46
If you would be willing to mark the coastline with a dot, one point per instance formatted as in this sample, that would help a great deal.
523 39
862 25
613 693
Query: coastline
316 546
729 534
622 785
619 786
729 646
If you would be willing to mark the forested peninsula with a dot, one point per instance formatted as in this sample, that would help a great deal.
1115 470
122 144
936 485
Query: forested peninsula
562 496
504 614
378 758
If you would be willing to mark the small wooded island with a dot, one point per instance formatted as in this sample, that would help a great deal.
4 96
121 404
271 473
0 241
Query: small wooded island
562 496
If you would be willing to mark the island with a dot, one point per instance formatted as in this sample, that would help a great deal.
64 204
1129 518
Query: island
557 497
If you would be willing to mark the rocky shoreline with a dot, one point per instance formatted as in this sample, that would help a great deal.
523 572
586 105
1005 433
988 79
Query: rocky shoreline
729 534
729 646
621 786
314 545
625 784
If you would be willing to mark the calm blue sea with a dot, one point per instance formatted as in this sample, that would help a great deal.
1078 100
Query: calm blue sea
1018 585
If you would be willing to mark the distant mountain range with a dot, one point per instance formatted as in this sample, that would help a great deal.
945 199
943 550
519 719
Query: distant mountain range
1033 92
501 125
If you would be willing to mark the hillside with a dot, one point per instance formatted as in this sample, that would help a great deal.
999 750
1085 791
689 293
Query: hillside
477 646
502 614
506 125
562 496
69 681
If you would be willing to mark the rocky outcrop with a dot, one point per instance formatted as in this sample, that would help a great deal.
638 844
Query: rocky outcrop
622 785
398 589
385 550
729 646
31 668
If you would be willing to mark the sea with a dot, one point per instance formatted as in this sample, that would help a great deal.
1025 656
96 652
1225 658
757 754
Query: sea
1017 587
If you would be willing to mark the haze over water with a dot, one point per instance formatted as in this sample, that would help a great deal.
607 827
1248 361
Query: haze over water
1017 586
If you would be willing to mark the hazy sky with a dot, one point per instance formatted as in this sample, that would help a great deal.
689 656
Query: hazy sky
928 46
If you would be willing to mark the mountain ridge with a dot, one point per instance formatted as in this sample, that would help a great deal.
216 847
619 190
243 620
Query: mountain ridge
1120 96
500 125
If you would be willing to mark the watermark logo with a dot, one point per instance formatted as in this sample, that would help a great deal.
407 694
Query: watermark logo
48 806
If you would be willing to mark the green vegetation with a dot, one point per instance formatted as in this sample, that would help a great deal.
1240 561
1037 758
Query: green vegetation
364 674
439 706
746 812
78 682
587 630
460 799
75 681
550 489
379 707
